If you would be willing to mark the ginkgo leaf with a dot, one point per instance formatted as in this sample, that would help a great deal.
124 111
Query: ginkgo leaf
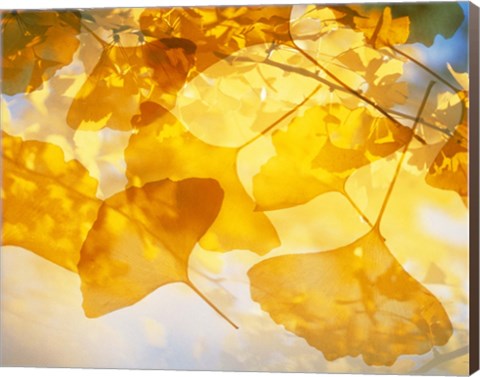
48 204
351 301
449 170
381 29
163 148
219 30
35 45
142 240
381 75
124 76
320 150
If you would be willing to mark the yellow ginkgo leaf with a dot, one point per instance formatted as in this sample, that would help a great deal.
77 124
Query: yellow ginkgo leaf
163 148
49 204
381 29
449 170
124 76
380 75
35 45
218 30
142 239
351 301
320 150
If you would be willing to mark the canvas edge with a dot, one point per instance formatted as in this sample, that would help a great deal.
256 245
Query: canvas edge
474 187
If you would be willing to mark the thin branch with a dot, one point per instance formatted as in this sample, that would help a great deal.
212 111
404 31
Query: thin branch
343 84
423 66
283 117
312 75
402 158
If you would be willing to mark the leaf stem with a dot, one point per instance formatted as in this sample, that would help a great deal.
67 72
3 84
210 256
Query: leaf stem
357 208
343 84
402 157
283 117
211 304
306 73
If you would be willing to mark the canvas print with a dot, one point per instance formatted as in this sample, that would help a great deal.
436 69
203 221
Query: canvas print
237 188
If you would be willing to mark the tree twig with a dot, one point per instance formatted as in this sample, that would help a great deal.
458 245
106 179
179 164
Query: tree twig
306 73
402 157
423 66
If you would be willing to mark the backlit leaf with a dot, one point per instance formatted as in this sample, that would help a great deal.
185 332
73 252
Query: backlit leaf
142 239
35 45
381 76
449 170
351 301
381 29
320 150
48 204
221 30
124 76
163 148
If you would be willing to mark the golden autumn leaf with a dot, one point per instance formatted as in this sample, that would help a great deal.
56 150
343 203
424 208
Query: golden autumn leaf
319 151
35 45
218 30
125 76
380 74
142 240
381 29
163 148
449 170
351 301
48 204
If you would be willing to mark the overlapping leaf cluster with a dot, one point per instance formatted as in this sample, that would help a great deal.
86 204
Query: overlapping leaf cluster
182 190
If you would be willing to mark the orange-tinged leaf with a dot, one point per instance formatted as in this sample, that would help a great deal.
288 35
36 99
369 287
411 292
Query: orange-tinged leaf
449 170
125 76
219 30
351 301
35 45
320 150
163 148
381 29
142 240
48 204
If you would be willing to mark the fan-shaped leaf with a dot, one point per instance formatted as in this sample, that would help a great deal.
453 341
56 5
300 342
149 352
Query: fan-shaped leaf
163 148
142 239
320 150
124 76
449 170
48 204
354 300
35 45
